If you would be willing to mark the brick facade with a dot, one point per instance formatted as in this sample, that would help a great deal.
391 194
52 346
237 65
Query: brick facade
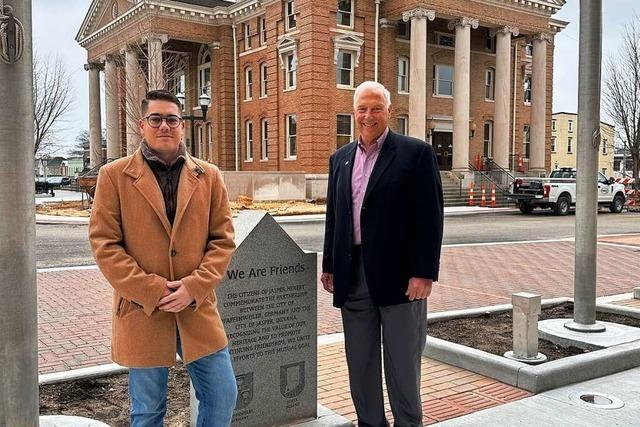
316 100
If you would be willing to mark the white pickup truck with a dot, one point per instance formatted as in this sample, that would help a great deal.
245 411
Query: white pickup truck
558 192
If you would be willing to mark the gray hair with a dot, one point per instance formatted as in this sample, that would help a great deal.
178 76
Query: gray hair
374 87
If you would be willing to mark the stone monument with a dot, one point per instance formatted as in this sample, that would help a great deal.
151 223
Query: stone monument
267 301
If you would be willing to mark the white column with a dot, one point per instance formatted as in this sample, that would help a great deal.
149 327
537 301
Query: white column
502 99
112 106
132 108
418 70
154 50
461 92
538 103
95 120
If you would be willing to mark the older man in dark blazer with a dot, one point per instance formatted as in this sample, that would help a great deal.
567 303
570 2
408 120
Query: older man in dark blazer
383 236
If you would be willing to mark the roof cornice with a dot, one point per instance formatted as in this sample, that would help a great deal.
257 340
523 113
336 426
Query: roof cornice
201 14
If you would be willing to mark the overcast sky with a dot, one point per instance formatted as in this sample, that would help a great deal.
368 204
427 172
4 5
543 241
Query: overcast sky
56 23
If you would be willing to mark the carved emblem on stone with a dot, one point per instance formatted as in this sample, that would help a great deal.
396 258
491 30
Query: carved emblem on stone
245 390
292 379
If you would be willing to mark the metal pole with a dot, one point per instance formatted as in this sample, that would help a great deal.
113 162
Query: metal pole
590 53
18 306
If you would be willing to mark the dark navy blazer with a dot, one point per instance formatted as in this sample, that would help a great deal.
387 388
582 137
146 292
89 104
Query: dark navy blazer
401 220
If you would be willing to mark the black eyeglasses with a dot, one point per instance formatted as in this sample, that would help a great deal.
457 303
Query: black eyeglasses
155 120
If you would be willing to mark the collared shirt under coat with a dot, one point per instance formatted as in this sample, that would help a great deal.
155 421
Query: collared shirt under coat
363 164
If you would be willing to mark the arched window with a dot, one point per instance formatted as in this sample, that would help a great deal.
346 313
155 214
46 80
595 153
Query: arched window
204 71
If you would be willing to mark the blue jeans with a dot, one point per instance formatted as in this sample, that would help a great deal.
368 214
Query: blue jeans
213 380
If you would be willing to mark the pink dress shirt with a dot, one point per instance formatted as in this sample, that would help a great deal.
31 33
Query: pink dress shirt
363 165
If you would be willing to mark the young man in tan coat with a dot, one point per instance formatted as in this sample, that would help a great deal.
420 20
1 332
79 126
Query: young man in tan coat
161 233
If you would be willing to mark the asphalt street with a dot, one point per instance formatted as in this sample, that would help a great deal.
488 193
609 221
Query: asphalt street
67 245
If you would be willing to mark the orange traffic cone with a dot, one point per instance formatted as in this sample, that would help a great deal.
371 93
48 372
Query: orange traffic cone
471 201
483 198
493 196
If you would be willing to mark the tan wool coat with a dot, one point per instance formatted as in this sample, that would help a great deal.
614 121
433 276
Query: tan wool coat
138 251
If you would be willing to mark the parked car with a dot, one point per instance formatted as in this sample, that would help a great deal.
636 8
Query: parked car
51 183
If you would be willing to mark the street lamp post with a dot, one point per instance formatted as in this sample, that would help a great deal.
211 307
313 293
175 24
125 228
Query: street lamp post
205 101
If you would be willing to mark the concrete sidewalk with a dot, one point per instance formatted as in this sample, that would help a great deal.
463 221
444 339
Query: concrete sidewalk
74 318
563 406
288 219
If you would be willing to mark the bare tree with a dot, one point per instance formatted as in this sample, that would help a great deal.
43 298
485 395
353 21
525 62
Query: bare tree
622 92
175 67
52 100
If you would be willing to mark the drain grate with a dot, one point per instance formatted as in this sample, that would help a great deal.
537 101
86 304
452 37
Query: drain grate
596 400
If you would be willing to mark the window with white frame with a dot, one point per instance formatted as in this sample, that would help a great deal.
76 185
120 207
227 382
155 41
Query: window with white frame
344 17
553 124
200 142
604 146
291 123
248 83
262 28
344 68
489 84
553 144
247 36
526 140
204 71
527 89
344 129
569 145
178 85
209 141
488 139
443 80
264 139
447 40
570 126
290 15
402 124
403 74
291 66
263 80
248 138
528 49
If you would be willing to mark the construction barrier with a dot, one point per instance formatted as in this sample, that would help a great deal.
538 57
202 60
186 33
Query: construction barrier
471 201
493 196
483 197
633 204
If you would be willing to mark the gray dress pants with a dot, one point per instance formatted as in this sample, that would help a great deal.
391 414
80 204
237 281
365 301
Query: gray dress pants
403 330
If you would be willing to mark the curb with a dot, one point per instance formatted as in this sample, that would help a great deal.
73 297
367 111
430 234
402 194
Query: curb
284 219
538 378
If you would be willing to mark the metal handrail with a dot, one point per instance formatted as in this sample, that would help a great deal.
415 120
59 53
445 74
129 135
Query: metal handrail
494 174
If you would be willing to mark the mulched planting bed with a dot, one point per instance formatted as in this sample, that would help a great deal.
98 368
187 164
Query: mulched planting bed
106 399
493 333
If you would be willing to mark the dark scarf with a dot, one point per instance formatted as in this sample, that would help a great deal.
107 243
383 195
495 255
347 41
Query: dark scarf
167 175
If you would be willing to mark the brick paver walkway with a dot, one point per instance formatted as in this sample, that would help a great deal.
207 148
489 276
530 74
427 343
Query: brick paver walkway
447 391
74 316
74 305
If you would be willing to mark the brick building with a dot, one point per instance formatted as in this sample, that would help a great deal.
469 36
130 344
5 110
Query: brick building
472 77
